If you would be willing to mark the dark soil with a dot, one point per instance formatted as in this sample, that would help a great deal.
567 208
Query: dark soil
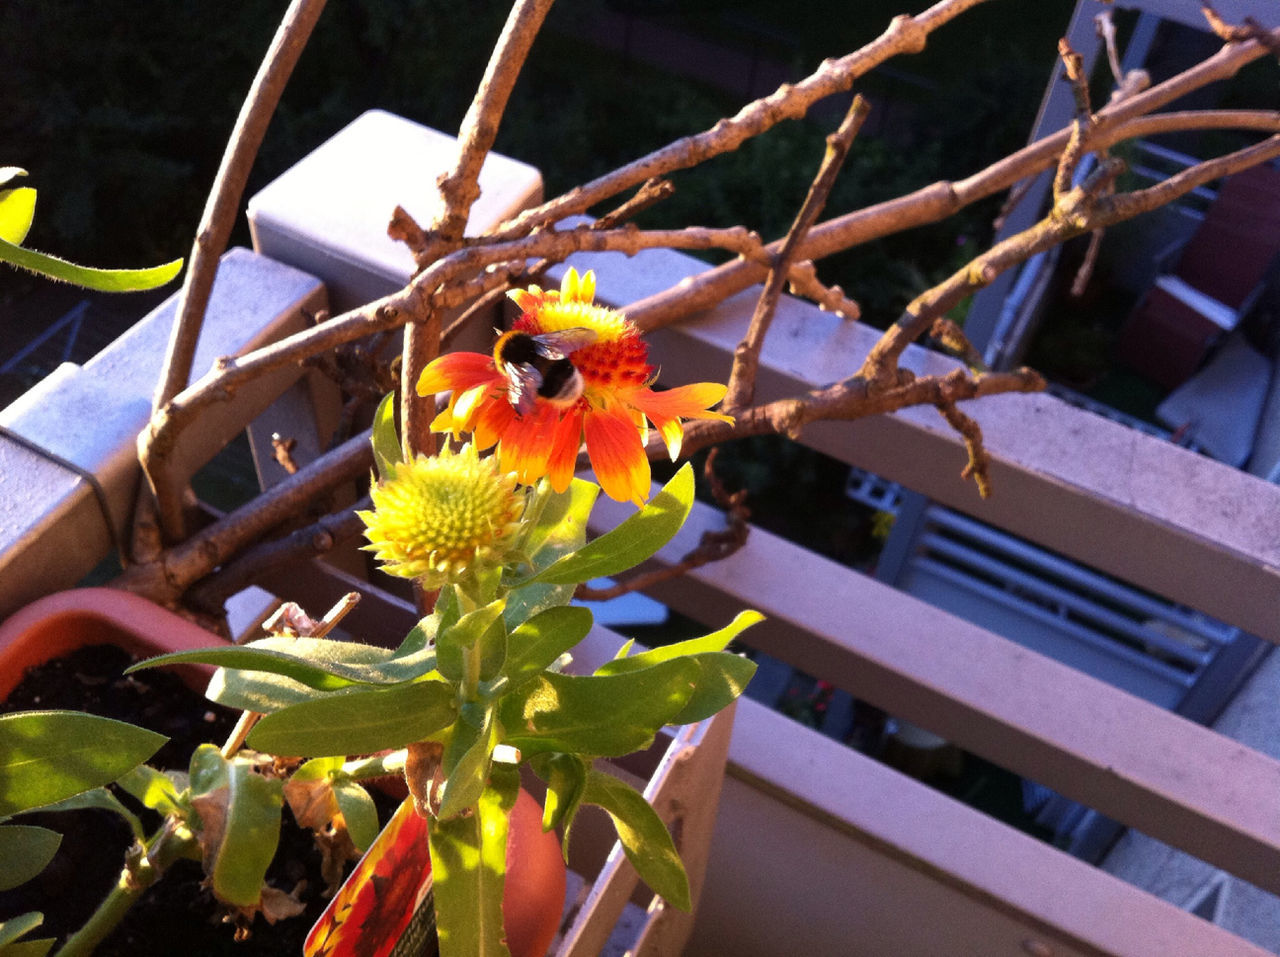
177 915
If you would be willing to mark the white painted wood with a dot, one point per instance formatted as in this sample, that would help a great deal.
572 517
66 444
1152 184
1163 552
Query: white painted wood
51 529
328 213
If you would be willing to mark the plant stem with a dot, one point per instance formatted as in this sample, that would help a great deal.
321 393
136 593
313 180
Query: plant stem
169 843
376 766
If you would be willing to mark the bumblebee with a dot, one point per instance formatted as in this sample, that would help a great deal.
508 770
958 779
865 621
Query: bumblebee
539 367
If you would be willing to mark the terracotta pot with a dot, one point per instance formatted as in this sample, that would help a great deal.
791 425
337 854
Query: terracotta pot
60 623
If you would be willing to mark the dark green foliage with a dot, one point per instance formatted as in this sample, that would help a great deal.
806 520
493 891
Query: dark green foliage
112 101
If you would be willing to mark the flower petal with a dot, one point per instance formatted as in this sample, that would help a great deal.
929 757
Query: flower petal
526 443
492 421
617 456
565 443
666 409
457 371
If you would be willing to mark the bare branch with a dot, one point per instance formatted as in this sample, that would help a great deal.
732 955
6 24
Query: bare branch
746 358
228 188
165 513
459 189
934 203
979 461
790 101
167 578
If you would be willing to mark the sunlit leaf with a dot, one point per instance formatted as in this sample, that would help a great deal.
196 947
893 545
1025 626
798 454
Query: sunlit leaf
722 676
359 811
360 721
560 529
25 851
566 777
463 635
157 790
634 540
319 663
469 862
102 280
716 641
644 837
46 756
605 716
17 209
467 760
240 823
387 453
544 638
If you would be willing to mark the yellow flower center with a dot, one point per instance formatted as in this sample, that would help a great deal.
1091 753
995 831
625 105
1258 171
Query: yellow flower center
617 361
440 516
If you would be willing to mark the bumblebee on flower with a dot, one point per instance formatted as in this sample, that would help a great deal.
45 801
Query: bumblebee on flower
569 371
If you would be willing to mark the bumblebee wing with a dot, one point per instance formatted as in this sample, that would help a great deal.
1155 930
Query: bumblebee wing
558 345
523 381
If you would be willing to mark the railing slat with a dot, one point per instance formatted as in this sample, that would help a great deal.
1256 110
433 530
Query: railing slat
1133 761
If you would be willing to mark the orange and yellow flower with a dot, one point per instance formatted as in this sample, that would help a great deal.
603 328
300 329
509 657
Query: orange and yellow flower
612 415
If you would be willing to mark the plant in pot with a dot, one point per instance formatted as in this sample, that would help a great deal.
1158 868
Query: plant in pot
476 689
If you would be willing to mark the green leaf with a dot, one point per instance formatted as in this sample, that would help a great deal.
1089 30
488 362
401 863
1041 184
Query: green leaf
358 810
266 692
259 691
387 452
319 663
634 540
467 759
722 676
566 777
541 640
29 948
559 529
16 927
103 280
24 852
154 789
240 823
560 525
605 716
46 756
644 837
17 209
716 641
100 799
468 865
359 721
464 635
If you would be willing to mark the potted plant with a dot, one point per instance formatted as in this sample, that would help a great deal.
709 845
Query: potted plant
476 689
